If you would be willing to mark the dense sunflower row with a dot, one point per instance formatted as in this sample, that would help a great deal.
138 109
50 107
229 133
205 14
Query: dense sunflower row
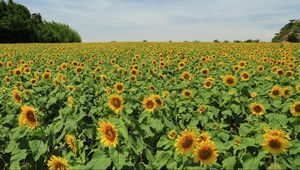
150 105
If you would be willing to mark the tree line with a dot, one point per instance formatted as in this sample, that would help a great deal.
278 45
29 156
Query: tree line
18 25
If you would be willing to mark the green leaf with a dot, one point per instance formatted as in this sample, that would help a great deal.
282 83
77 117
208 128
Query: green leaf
181 109
162 160
235 108
18 156
156 124
38 148
117 158
227 113
229 162
128 110
251 163
51 101
277 104
102 162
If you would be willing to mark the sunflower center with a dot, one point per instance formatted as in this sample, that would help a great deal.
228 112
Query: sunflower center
186 76
275 92
204 71
257 109
158 101
286 92
110 134
187 142
119 87
60 166
150 104
208 83
116 102
18 97
230 81
205 153
30 116
297 108
187 93
275 144
245 76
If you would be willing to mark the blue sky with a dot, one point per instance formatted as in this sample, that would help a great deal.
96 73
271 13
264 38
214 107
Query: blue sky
163 20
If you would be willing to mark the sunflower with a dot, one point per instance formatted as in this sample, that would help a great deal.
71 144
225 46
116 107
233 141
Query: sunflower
260 68
289 73
46 75
104 78
70 88
33 81
6 79
206 153
134 72
186 76
257 109
158 101
275 144
237 140
204 71
79 69
235 68
149 103
58 163
107 90
180 65
204 136
298 87
253 94
295 108
19 85
275 92
207 84
132 78
201 109
186 93
26 70
18 71
186 141
245 76
276 132
17 96
28 117
119 87
71 141
115 103
229 80
172 134
279 72
70 101
151 87
109 134
287 91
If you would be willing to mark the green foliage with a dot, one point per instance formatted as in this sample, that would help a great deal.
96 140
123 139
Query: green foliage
290 32
18 25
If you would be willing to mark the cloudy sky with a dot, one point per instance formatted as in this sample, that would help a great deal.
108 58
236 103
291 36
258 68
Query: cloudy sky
163 20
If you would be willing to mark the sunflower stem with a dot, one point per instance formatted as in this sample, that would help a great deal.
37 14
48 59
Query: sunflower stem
275 161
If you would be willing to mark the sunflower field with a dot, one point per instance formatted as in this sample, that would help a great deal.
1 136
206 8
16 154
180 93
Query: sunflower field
150 106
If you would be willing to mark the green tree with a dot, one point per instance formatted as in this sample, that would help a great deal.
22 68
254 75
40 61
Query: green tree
18 25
